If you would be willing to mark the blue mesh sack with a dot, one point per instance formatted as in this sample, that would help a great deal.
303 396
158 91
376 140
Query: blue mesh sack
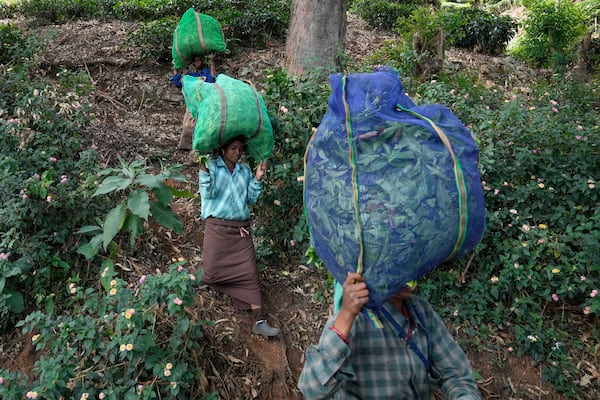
392 189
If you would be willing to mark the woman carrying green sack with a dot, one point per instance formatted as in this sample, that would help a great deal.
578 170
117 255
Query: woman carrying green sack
227 188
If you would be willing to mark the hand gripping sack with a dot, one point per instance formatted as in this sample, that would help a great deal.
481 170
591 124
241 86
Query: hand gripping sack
196 34
392 189
226 109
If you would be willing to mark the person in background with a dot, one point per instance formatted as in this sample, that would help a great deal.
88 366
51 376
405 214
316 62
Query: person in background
408 357
197 68
227 188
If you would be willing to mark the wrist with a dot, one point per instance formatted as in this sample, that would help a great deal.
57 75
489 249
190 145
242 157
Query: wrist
340 334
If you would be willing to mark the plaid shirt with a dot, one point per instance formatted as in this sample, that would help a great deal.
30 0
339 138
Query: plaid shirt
378 364
226 195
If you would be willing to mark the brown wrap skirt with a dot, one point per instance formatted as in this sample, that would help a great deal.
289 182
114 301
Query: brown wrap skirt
230 262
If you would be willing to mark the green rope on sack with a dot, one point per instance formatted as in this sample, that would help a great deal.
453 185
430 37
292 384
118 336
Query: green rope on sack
356 195
459 177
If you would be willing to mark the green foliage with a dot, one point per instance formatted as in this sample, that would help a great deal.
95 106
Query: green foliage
154 40
117 341
396 54
144 10
60 11
14 46
249 23
380 14
296 106
48 176
147 196
476 29
8 9
539 157
551 31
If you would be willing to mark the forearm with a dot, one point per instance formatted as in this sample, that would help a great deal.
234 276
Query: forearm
206 186
326 367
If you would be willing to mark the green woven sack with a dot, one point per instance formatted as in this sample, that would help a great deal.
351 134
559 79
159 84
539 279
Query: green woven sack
226 109
196 35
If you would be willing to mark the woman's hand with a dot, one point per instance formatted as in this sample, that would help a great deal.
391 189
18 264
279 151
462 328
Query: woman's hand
260 170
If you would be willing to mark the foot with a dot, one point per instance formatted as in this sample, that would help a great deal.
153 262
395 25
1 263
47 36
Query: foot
262 327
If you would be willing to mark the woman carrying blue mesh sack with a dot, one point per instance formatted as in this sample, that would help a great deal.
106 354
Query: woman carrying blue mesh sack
409 356
391 191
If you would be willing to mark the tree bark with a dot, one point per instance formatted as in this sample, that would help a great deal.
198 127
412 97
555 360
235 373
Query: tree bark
316 38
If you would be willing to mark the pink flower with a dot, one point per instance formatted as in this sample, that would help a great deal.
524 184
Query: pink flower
283 109
180 268
37 177
36 92
554 297
63 179
455 313
510 349
579 127
94 147
554 103
594 293
466 96
3 256
452 92
554 110
496 191
53 159
487 107
142 278
583 278
586 310
578 137
292 242
178 301
49 199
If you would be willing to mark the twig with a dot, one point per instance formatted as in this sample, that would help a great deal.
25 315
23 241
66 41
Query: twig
463 274
111 100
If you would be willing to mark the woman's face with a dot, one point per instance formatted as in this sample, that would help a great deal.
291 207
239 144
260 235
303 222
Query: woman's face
233 152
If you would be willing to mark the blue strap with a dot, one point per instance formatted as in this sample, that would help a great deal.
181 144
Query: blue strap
409 341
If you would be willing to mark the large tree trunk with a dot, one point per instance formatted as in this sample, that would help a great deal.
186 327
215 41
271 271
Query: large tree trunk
317 36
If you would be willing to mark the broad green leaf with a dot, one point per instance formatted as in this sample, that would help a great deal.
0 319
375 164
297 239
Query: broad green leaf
112 184
113 223
49 305
15 301
139 204
163 194
89 250
166 217
150 180
89 229
2 283
135 227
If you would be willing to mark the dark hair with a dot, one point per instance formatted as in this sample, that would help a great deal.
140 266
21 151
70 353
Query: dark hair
239 138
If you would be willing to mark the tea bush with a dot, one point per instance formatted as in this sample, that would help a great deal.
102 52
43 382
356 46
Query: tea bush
48 176
295 106
551 30
383 14
539 154
476 29
153 40
117 341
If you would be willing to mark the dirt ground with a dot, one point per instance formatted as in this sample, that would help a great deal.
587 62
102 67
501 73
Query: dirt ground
138 115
